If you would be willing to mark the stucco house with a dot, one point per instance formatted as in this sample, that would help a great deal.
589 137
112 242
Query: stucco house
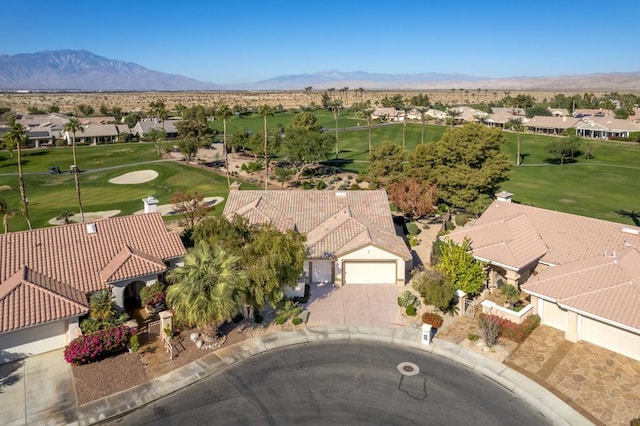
351 237
47 274
143 126
387 114
582 274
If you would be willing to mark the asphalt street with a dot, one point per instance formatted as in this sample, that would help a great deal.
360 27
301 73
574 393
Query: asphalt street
342 383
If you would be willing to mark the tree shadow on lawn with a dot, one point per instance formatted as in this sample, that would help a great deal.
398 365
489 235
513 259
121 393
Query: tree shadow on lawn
631 214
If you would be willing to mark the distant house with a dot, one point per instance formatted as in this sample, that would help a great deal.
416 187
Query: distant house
47 274
43 129
387 114
351 237
98 133
518 112
582 274
556 125
604 127
592 112
142 127
437 114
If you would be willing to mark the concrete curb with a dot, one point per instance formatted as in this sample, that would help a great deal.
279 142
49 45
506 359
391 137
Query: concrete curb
542 400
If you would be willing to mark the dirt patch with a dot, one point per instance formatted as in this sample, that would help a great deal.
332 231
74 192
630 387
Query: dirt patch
132 178
109 376
88 217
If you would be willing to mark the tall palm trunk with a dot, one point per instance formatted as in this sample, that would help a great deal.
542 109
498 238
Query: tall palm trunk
23 195
336 115
76 176
369 123
266 156
226 155
518 139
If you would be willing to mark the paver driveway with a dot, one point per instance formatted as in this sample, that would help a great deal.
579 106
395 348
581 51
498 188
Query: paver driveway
369 305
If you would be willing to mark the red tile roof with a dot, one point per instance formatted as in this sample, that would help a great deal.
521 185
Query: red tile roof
74 258
335 222
28 298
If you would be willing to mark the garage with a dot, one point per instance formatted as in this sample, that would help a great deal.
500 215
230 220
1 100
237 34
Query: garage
33 340
380 272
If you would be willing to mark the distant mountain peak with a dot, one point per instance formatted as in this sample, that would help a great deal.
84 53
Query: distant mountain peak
83 70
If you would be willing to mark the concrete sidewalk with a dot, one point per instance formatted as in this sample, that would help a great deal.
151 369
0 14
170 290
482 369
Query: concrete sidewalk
555 410
37 390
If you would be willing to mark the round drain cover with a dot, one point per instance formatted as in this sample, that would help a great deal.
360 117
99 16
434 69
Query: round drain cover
408 368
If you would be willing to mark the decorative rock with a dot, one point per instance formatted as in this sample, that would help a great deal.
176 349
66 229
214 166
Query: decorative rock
194 336
199 343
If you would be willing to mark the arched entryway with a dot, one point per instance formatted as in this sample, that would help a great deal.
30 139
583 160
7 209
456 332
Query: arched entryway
132 295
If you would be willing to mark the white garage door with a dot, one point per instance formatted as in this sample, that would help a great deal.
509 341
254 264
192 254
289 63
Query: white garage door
369 272
31 341
321 271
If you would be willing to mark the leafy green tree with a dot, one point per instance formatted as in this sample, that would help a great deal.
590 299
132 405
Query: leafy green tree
566 149
466 165
385 163
191 207
197 129
156 136
85 110
188 148
435 289
305 145
208 289
17 137
516 124
53 108
283 175
231 235
538 110
453 114
273 261
131 119
460 268
621 114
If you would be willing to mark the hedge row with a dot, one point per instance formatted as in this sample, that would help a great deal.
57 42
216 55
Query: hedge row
513 331
95 346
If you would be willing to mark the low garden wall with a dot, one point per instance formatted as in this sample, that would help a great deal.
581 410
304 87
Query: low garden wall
491 308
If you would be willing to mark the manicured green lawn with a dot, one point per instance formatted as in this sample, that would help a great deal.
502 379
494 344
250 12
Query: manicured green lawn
49 194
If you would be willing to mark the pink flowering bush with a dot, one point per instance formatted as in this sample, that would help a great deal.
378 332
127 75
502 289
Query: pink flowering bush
153 296
95 346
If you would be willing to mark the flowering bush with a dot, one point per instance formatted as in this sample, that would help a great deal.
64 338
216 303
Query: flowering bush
153 296
513 331
92 347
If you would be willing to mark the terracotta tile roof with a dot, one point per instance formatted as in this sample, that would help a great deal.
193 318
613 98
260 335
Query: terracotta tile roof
605 287
28 298
71 255
512 241
568 237
334 222
131 263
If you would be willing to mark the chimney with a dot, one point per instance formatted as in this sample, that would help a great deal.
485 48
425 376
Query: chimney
91 228
504 196
235 186
150 204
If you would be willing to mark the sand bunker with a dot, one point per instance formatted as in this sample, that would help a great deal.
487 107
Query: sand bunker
88 217
169 209
131 178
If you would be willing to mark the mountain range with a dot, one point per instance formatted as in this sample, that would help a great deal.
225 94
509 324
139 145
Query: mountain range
81 70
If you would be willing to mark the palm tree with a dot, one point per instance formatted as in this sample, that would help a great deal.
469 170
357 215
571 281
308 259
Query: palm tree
335 107
159 110
517 125
423 121
453 113
266 111
405 110
225 112
308 92
101 306
73 126
346 96
17 137
368 115
209 289
361 91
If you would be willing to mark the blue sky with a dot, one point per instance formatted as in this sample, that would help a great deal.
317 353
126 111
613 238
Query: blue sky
227 42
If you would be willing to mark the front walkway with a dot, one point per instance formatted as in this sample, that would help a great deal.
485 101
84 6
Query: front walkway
604 384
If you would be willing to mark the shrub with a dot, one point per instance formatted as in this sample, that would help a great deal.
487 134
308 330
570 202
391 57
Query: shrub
635 422
153 296
472 337
343 187
435 289
407 299
320 185
413 240
296 321
449 226
425 226
512 331
411 311
134 343
461 219
412 228
510 293
442 207
90 325
490 329
432 319
95 346
281 320
354 187
252 167
306 185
